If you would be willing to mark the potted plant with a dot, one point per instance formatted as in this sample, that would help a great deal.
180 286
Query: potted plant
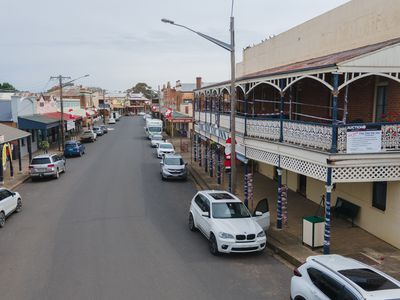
44 145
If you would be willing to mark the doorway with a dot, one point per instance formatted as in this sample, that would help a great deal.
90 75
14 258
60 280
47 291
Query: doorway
302 187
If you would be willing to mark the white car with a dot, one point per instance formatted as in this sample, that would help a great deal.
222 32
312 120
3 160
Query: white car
111 121
325 277
141 113
227 223
9 202
165 148
156 139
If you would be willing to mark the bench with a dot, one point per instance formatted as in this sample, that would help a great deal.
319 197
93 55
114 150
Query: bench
346 209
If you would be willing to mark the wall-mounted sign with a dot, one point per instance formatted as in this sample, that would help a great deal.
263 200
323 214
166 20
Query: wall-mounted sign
364 139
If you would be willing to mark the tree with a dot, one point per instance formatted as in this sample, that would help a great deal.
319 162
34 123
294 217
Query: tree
146 90
7 87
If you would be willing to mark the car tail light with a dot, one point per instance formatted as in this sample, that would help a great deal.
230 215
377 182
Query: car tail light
50 166
297 273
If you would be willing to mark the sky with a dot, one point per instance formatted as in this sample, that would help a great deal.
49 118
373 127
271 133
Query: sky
122 42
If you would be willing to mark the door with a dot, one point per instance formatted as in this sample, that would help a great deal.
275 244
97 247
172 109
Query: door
324 287
7 200
264 220
206 220
302 189
197 210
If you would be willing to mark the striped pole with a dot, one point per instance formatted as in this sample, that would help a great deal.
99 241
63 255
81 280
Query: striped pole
327 234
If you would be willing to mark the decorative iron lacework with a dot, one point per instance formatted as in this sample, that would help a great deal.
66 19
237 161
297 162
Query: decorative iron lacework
240 125
366 174
262 156
213 119
267 129
303 167
391 137
224 121
202 117
309 135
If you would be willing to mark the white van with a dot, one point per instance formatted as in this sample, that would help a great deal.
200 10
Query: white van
153 126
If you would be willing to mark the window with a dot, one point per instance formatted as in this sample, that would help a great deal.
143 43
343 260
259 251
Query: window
381 99
330 287
221 196
199 202
33 132
369 280
4 194
230 210
40 161
186 110
379 195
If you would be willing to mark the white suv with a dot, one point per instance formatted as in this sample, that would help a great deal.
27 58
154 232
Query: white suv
165 148
334 277
227 223
9 202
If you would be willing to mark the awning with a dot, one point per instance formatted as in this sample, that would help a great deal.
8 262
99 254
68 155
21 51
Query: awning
177 117
37 122
8 134
80 112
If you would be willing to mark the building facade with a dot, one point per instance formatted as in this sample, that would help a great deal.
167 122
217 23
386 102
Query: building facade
323 119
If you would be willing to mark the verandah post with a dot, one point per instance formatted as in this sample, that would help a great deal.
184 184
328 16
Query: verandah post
327 233
335 94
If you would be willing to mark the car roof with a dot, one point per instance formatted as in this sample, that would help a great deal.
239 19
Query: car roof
172 156
211 195
44 155
337 262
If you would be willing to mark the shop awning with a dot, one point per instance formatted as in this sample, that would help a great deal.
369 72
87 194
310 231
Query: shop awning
177 117
37 122
8 134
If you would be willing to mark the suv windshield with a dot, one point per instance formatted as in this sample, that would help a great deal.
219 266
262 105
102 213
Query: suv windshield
229 210
70 145
173 161
154 129
40 161
166 146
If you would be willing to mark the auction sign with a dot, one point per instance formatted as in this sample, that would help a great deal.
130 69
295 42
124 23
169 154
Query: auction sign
364 139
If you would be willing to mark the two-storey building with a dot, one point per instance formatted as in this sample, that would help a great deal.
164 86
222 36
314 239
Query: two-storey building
319 108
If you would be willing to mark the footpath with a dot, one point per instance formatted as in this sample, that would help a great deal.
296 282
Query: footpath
347 240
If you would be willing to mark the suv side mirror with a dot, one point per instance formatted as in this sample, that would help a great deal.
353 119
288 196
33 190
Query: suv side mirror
258 213
161 163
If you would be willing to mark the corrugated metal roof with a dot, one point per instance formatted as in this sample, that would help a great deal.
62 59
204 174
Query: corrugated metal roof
330 60
187 87
40 119
11 133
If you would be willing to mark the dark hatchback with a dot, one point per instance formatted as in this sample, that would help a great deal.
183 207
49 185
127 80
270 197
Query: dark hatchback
74 148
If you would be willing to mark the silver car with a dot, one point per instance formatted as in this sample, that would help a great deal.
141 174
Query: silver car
156 139
173 167
47 165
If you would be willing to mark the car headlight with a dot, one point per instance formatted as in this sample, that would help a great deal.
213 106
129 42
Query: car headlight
261 234
224 235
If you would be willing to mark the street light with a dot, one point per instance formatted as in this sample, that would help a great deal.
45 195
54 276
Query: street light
60 79
231 48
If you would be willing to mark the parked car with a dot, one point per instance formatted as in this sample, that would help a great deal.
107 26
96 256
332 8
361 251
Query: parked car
165 148
227 223
47 165
104 128
156 139
111 121
141 113
88 136
173 167
9 202
98 131
326 277
74 148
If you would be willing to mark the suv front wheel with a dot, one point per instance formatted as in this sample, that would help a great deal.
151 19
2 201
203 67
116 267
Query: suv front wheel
213 245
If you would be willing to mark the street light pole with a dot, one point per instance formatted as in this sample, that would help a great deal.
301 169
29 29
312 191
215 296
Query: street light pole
231 48
62 125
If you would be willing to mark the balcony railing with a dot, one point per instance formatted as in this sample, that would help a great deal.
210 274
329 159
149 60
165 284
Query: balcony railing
305 134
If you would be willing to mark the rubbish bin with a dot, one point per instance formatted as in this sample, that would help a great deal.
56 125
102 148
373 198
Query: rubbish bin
313 231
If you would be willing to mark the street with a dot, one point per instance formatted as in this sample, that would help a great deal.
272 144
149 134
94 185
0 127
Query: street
109 228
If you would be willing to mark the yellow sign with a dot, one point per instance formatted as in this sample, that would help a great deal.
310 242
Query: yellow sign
4 154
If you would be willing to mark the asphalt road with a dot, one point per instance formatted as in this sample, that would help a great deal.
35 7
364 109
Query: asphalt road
111 229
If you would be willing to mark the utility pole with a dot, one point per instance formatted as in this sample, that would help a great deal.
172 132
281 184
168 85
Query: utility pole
62 125
104 107
233 106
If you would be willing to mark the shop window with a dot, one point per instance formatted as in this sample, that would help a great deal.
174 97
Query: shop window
379 195
186 110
